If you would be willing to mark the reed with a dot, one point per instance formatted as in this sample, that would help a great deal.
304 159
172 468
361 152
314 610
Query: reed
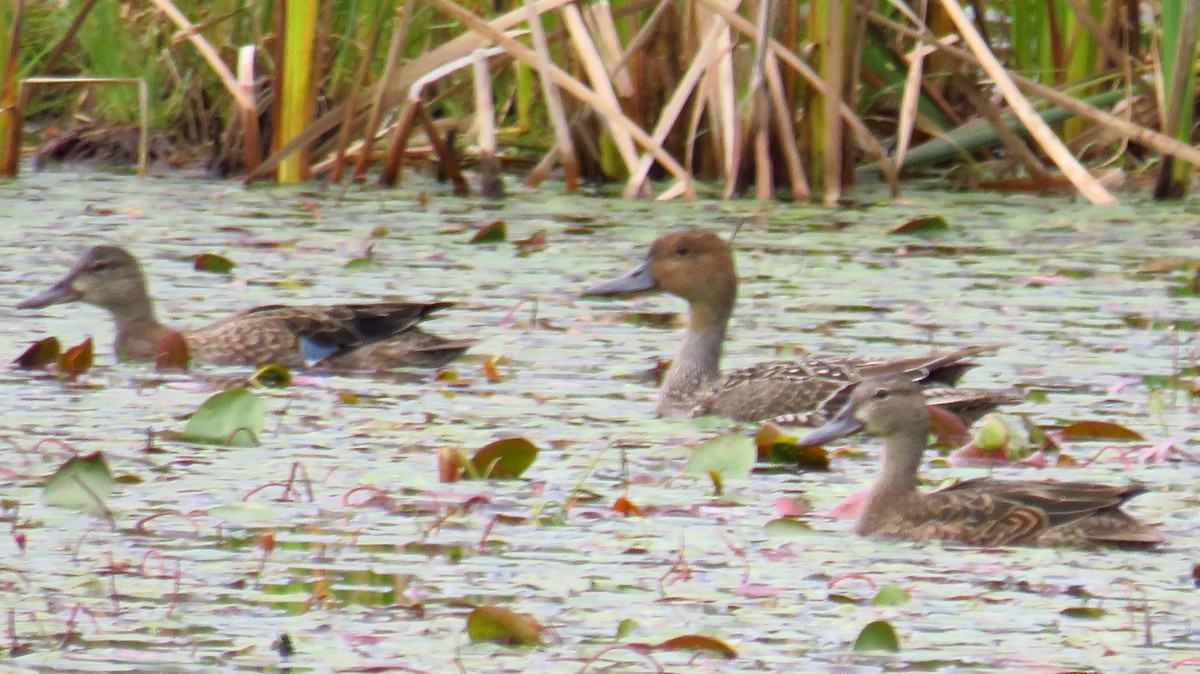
797 99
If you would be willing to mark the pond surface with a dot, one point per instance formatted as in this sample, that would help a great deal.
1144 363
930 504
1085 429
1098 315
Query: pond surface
382 579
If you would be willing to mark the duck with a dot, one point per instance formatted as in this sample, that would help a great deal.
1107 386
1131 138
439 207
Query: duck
698 267
372 336
982 511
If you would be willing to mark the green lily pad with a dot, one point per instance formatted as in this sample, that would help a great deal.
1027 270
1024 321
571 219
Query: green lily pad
730 456
503 626
504 459
211 262
82 483
877 636
233 417
890 595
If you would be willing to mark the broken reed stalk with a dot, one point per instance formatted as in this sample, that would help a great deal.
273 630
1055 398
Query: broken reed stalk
786 131
414 109
251 138
379 96
554 107
360 78
207 52
1083 181
491 185
862 134
586 52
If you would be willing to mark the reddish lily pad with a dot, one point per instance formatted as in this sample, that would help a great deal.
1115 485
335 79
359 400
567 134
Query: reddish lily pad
77 359
627 508
531 245
40 354
211 262
1098 430
171 352
691 642
495 231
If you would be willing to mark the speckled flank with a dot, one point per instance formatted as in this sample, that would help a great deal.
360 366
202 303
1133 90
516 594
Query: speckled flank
982 511
359 336
698 267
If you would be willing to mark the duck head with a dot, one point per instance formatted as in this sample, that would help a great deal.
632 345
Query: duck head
693 264
104 276
880 406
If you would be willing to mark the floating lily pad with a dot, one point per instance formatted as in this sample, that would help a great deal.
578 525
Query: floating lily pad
495 231
40 354
234 418
692 642
77 359
877 636
922 226
890 595
1098 430
82 483
730 456
504 459
211 262
171 352
503 626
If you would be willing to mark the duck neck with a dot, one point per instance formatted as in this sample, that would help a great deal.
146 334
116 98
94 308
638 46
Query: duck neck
901 459
135 322
699 361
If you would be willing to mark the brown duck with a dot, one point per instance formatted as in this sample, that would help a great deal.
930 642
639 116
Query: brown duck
982 511
342 336
698 267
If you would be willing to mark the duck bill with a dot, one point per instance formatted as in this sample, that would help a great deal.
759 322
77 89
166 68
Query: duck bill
59 293
839 426
637 281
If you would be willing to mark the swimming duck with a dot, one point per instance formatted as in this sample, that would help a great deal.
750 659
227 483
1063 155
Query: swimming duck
698 267
343 336
981 511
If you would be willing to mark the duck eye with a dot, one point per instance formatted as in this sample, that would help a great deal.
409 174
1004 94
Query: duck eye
881 394
682 250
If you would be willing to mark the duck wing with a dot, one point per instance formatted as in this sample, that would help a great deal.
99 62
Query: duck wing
296 336
1070 513
414 348
809 390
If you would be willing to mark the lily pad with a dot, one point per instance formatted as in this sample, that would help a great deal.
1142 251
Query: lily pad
82 483
890 595
1098 430
922 226
877 636
504 459
495 231
233 417
77 359
503 626
211 262
692 642
730 456
40 354
171 352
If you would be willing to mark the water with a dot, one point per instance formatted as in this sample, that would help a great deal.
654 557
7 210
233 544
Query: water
382 566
